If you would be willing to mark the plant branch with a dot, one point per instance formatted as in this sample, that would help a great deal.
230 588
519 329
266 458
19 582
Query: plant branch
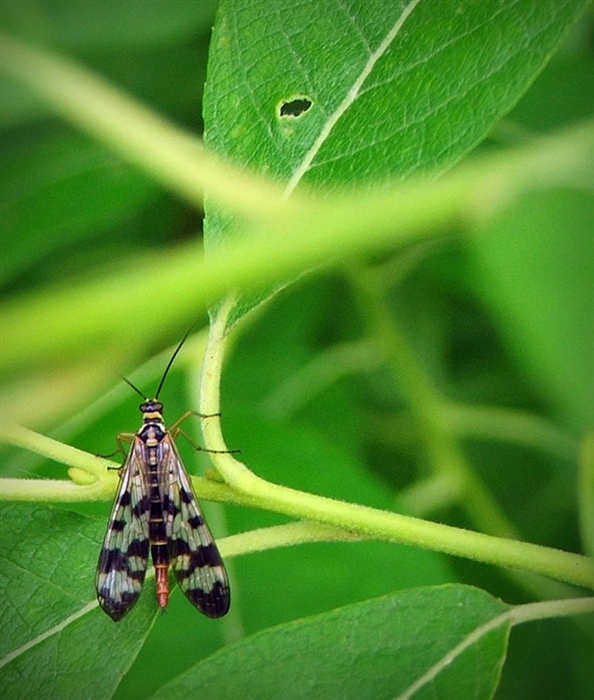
355 519
14 434
365 521
171 155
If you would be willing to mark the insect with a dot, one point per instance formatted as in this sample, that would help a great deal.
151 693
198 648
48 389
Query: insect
155 508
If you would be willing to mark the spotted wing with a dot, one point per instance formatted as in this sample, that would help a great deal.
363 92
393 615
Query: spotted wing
123 559
194 556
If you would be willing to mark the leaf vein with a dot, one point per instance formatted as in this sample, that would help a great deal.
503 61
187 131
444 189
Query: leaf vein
350 98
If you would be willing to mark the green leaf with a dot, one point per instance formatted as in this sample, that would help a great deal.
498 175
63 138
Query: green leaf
375 649
395 88
350 93
55 640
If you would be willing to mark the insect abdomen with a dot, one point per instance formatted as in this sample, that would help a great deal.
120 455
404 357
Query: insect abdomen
157 529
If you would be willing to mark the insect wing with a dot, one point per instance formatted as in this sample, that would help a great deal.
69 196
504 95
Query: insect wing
196 561
123 559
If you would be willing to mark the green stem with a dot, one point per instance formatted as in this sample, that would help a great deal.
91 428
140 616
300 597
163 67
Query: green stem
362 520
572 568
551 608
19 436
249 490
282 536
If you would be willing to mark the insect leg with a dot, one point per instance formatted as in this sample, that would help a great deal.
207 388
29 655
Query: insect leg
174 428
120 449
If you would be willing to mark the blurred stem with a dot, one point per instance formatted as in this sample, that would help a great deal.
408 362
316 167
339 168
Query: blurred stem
475 421
325 369
173 156
425 496
427 405
324 230
319 228
510 425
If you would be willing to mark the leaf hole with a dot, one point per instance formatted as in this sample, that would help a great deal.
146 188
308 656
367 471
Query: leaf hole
295 107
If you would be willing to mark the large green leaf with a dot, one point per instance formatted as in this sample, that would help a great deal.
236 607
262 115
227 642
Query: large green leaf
395 87
375 649
55 641
352 92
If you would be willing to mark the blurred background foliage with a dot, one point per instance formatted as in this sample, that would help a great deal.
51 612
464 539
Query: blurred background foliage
504 322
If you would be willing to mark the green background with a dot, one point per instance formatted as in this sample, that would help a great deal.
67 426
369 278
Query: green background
501 318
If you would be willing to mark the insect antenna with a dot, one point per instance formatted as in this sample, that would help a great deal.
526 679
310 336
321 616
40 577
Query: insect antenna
165 373
177 349
129 383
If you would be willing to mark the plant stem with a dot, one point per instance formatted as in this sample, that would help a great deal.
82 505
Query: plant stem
173 156
19 436
564 566
252 491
